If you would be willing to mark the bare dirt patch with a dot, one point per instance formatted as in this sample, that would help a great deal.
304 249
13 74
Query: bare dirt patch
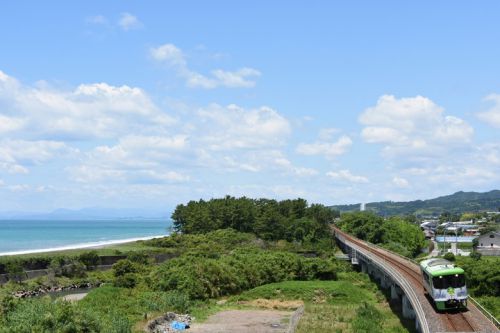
274 304
245 321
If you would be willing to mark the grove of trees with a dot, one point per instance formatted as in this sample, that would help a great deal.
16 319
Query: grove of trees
291 220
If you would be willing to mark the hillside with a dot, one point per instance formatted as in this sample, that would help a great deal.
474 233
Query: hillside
459 202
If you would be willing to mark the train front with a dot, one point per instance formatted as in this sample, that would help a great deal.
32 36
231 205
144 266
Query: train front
449 289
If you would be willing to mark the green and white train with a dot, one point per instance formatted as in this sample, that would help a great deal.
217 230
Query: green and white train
445 283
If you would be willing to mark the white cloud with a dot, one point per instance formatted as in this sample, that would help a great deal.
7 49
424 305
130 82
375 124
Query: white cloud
175 58
170 54
134 159
233 127
128 21
347 176
237 78
492 116
17 155
328 149
10 124
400 182
96 110
326 134
412 126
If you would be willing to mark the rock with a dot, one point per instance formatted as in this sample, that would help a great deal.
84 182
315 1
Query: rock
162 324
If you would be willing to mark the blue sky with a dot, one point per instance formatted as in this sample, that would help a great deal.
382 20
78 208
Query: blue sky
145 105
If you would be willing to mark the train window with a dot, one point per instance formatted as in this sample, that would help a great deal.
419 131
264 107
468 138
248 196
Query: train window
438 282
457 280
447 281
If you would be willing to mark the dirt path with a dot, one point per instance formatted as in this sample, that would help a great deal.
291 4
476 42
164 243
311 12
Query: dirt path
245 321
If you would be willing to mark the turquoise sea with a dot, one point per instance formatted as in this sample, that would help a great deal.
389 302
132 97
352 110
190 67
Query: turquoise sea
21 236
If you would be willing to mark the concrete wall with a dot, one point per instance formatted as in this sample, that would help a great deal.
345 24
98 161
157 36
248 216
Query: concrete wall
488 252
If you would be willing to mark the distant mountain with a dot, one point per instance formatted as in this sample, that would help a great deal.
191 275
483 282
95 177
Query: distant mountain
456 203
92 213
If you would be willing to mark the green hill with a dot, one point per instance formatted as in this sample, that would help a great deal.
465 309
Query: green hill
456 203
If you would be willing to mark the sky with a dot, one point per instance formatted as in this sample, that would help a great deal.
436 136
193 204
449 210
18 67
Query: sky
150 104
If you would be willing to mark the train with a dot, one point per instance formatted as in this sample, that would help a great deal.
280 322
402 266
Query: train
445 283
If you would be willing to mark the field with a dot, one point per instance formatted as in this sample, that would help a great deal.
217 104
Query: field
351 304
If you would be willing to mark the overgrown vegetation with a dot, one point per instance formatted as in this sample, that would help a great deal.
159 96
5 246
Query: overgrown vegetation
394 233
222 262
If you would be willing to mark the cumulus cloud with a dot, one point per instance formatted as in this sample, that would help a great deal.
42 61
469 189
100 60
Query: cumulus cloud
17 155
172 56
134 159
234 127
414 125
328 149
492 116
96 110
346 176
128 22
400 182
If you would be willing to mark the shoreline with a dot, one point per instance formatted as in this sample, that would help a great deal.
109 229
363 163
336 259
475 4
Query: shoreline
90 245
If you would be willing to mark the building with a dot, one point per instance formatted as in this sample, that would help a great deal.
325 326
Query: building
489 244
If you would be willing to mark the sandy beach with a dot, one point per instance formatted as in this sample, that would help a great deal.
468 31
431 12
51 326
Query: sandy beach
91 245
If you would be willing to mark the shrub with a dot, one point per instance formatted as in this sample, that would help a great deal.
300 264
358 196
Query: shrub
57 317
90 259
138 257
124 266
449 256
127 280
15 271
203 278
475 255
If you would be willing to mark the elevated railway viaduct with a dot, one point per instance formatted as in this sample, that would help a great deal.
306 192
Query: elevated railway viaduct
404 279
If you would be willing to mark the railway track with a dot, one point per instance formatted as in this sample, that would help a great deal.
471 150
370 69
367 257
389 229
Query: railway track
456 322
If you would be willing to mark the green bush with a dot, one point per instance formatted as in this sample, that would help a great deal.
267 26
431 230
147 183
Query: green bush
90 259
70 268
138 257
395 234
124 266
449 256
44 315
203 278
127 280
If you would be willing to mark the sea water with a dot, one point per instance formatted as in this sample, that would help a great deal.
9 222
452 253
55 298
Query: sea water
26 236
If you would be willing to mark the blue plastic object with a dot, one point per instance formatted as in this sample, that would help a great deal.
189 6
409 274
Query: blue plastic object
178 326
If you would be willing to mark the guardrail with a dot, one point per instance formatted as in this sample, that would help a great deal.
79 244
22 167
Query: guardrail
488 315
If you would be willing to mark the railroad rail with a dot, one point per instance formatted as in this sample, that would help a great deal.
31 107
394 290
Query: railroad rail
406 274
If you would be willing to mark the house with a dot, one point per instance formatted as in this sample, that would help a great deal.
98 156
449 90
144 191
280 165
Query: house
489 244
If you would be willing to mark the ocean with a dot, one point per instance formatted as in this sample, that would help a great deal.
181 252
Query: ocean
26 236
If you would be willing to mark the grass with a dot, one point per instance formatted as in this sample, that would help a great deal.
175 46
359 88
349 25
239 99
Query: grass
352 304
491 303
